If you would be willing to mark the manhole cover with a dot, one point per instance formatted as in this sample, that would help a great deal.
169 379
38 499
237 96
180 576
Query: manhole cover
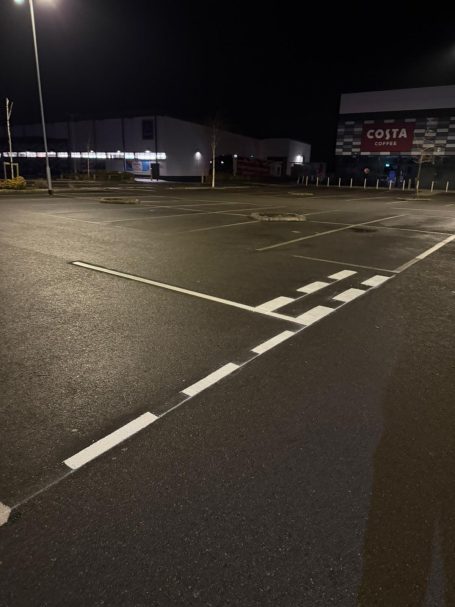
120 200
278 217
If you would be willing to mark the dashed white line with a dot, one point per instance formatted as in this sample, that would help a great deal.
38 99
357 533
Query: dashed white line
312 287
271 343
315 314
375 281
274 304
211 379
342 274
109 441
348 295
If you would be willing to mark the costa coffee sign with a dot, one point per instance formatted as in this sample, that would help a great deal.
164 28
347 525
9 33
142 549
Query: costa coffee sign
387 137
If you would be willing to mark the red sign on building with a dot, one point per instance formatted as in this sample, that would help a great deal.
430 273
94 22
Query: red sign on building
387 137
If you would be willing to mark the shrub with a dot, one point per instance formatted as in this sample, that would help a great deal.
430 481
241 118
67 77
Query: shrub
18 183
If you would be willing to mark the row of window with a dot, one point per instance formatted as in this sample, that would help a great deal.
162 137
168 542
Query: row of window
90 155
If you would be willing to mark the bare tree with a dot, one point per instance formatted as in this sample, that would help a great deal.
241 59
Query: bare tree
9 111
426 155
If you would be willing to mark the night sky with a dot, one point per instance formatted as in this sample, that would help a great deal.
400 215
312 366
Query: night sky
267 69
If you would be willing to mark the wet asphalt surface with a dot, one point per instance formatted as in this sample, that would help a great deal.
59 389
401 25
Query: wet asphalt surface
318 473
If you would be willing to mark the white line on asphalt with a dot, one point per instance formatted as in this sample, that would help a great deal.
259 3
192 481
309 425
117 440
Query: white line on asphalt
427 211
271 343
314 315
109 441
353 225
225 225
425 253
348 295
339 223
274 304
312 287
162 285
5 511
342 274
343 263
375 281
211 379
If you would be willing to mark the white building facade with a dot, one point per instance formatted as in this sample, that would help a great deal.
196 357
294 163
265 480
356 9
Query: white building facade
167 146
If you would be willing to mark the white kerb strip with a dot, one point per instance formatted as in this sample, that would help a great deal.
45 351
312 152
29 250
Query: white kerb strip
314 315
5 511
349 295
312 287
274 304
342 274
109 441
210 379
375 281
271 343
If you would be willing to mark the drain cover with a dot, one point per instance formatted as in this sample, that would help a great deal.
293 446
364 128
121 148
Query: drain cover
278 216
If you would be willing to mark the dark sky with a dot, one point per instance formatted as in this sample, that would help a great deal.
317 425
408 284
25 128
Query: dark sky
268 69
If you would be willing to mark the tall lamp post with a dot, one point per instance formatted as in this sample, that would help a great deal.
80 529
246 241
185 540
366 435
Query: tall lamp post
40 92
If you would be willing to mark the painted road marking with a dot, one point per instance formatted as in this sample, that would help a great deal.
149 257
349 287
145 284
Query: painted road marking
5 511
274 304
426 253
211 379
109 441
375 281
314 315
348 295
162 285
271 343
344 263
342 274
353 225
312 287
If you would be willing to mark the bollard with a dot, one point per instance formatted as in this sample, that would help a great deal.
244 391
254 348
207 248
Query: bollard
328 181
317 182
417 185
339 182
306 180
365 183
377 184
390 185
447 186
432 186
404 184
350 185
409 184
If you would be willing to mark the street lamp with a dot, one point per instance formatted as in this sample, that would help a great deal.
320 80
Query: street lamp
40 92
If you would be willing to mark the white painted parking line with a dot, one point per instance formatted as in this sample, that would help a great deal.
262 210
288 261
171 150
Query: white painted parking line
274 304
5 511
314 315
375 281
343 263
109 441
211 379
348 295
347 227
342 274
271 343
162 285
426 253
312 287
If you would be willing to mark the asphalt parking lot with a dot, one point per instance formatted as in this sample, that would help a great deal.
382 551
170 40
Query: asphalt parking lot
286 390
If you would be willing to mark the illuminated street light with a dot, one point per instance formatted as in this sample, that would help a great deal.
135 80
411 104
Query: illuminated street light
40 93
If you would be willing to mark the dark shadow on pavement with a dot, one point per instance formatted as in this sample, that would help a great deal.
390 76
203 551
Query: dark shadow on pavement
413 494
